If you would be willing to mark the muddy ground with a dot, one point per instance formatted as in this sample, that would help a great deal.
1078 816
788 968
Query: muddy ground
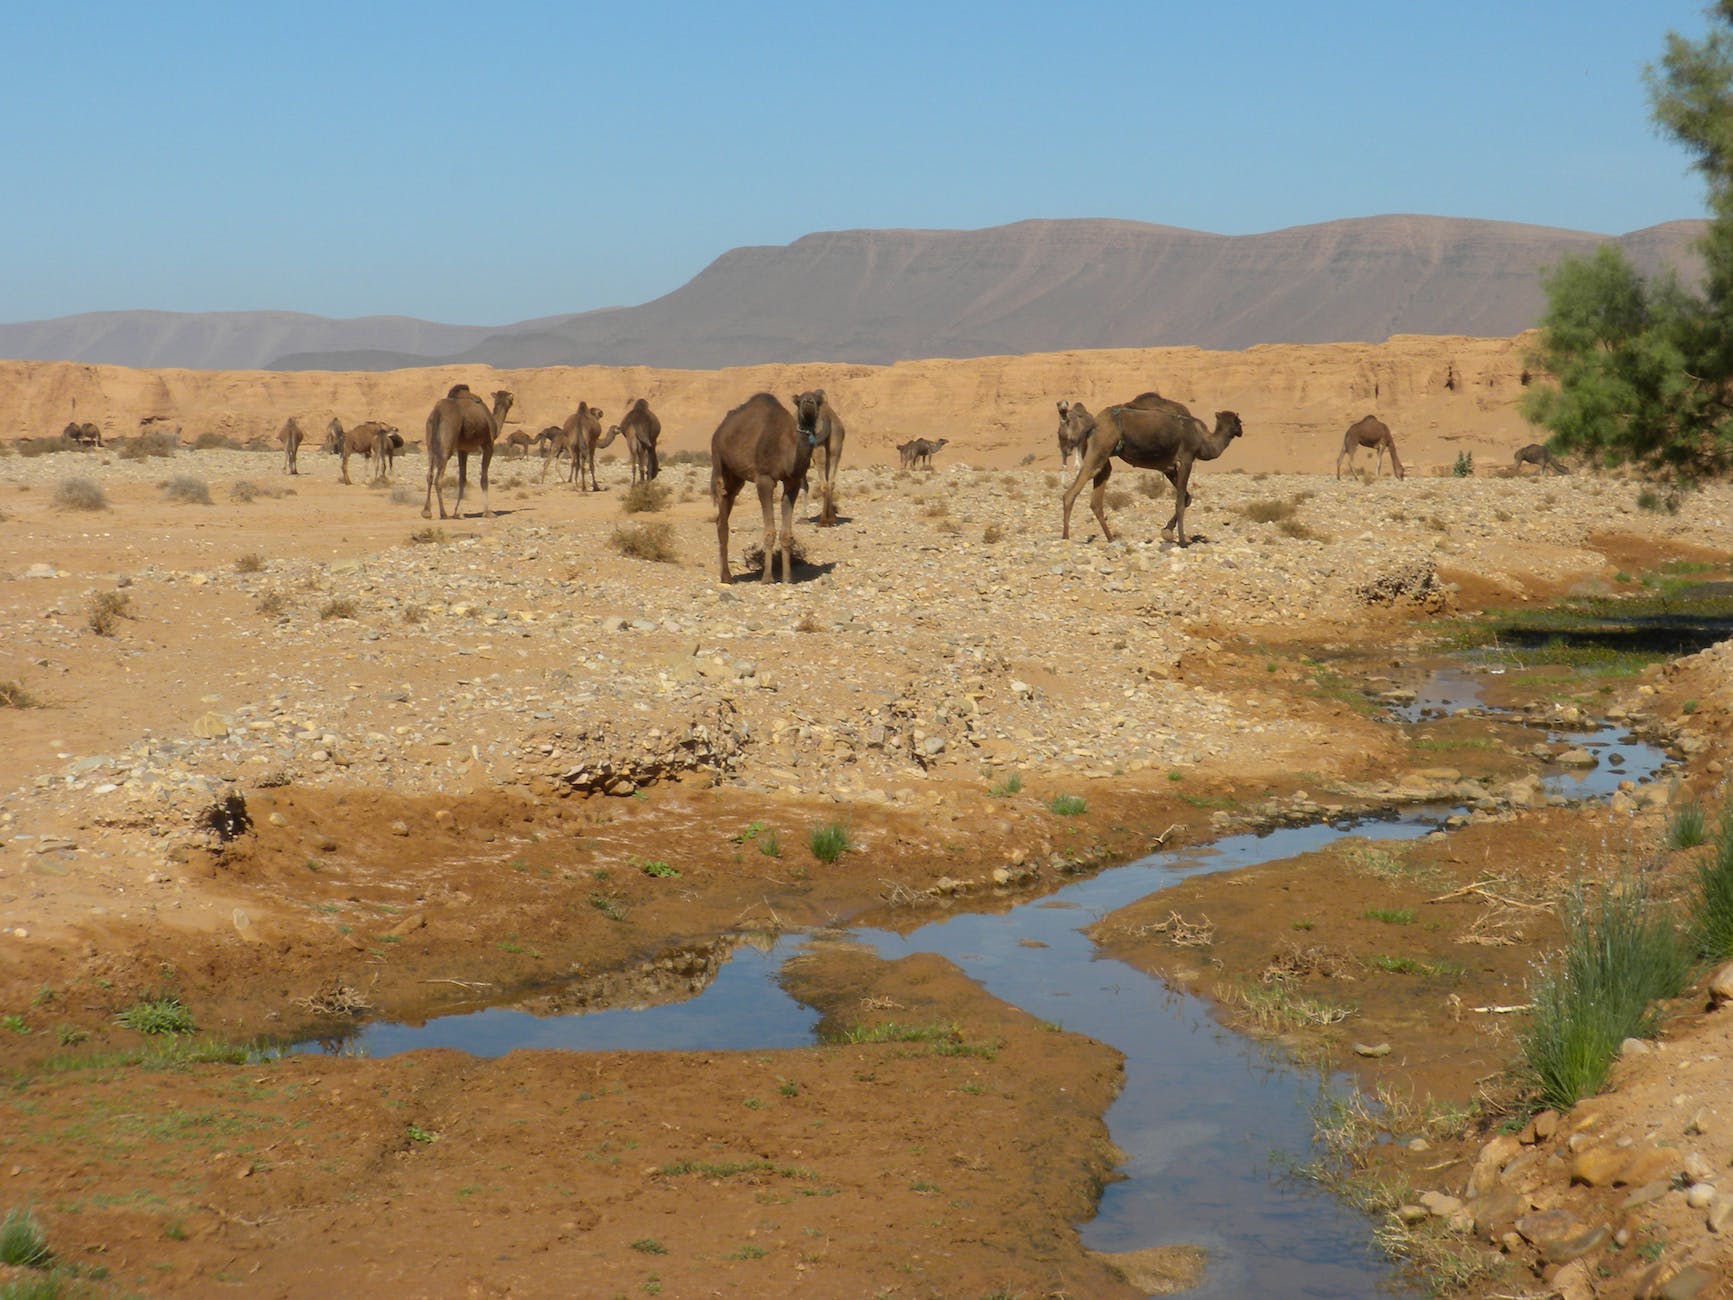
288 819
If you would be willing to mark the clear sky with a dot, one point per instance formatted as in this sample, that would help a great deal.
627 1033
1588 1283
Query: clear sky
483 164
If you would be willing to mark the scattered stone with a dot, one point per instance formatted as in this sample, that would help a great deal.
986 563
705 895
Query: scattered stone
1688 1283
1700 1196
1372 1049
1721 985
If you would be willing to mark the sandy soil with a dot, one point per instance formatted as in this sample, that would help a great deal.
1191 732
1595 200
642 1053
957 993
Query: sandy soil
421 733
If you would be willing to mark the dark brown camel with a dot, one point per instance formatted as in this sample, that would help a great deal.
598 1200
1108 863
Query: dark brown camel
1153 433
1536 453
921 454
1369 431
460 424
83 435
814 411
759 442
906 452
575 438
372 440
641 428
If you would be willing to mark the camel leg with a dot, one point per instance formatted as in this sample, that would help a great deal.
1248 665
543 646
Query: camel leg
1098 497
435 471
343 475
486 461
767 501
787 536
462 483
724 497
1182 494
1089 464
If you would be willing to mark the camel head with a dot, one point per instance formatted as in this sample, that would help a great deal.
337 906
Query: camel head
806 409
502 400
1075 422
1228 426
457 390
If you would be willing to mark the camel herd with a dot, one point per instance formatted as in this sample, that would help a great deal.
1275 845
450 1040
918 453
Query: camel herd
766 444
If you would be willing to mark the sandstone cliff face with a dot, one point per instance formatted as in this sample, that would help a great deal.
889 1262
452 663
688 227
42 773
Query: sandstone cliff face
1439 395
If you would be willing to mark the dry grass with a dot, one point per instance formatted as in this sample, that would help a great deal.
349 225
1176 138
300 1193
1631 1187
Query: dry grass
414 613
187 490
106 610
992 535
937 508
272 604
1117 499
14 696
1270 510
654 542
147 445
251 562
645 498
339 607
428 536
79 494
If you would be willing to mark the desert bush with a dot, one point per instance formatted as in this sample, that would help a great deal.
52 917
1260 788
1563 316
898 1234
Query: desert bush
339 607
105 611
1028 460
1622 954
272 603
1299 529
33 447
753 556
429 536
1269 510
937 508
1117 499
646 497
653 542
210 440
13 695
244 491
187 490
1656 503
413 613
992 535
1711 916
402 495
251 562
79 494
686 458
147 445
1464 466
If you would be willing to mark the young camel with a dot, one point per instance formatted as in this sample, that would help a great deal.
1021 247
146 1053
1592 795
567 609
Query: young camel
759 442
373 440
1537 454
517 443
828 424
1369 431
291 437
1152 433
1074 422
459 424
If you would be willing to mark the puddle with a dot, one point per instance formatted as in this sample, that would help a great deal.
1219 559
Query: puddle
1203 1111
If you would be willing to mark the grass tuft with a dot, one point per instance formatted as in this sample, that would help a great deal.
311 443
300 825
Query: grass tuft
187 490
829 842
157 1016
107 608
79 493
647 497
22 1241
1712 903
1687 827
340 607
653 542
1068 805
13 695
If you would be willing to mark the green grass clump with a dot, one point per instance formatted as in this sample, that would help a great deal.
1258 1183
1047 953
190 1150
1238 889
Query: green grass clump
157 1016
659 869
1622 954
829 842
1712 904
1391 915
1068 805
22 1241
1005 789
1687 828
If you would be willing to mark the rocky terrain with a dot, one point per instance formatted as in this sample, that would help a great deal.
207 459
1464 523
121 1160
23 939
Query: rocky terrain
322 749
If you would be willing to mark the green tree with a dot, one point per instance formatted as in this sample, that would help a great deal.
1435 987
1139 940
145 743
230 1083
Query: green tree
1641 371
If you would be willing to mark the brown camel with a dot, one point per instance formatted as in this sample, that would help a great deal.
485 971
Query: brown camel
1151 433
641 428
84 435
291 437
815 411
921 454
759 442
1074 422
579 437
906 453
460 424
1536 453
373 440
518 443
1369 431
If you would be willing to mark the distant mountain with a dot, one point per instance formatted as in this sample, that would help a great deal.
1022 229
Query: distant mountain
876 296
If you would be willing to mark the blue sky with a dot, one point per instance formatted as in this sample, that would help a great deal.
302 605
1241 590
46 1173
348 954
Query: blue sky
487 164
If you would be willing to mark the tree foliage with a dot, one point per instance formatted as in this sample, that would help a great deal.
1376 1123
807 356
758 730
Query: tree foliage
1642 370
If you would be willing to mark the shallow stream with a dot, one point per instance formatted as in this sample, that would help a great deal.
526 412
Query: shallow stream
1207 1119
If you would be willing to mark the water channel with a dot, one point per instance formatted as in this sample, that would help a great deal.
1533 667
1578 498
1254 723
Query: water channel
1207 1118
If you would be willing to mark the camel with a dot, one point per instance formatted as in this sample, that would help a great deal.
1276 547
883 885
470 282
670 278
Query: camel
906 453
921 454
1073 422
816 412
1152 432
291 437
84 435
1536 453
373 440
759 442
1369 431
460 424
519 442
641 429
576 438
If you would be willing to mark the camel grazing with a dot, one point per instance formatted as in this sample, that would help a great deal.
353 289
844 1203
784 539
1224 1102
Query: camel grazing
759 442
1369 431
460 424
1152 433
640 428
815 412
82 435
291 437
373 440
1536 453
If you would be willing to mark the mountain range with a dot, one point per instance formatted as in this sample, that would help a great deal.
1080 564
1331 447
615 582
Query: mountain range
879 296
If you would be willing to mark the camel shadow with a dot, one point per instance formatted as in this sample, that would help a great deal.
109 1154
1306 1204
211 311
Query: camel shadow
838 522
804 571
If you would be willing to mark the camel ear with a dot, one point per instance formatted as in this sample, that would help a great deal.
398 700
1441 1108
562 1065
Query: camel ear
818 393
596 411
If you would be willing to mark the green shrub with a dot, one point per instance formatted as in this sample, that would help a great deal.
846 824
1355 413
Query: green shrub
1712 904
1464 466
828 842
1068 805
1621 955
1685 828
157 1016
1011 785
22 1243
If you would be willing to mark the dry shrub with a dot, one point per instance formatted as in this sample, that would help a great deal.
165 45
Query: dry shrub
808 624
251 562
187 490
1117 499
272 604
753 556
653 542
146 445
401 495
947 527
686 458
1051 480
79 494
429 536
937 508
992 535
30 447
107 608
339 607
1301 531
13 695
1151 485
1270 511
646 497
210 440
413 613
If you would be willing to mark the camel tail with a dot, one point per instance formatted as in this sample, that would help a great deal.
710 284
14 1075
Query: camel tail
655 462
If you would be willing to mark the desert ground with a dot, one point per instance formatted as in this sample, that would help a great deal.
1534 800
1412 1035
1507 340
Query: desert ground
293 759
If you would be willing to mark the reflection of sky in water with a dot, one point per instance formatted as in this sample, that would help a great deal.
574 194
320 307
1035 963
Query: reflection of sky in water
1203 1110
